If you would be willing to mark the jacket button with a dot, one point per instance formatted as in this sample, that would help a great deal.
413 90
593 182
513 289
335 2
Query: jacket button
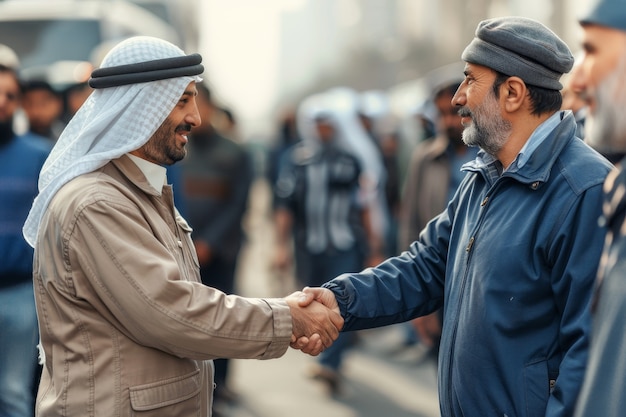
534 185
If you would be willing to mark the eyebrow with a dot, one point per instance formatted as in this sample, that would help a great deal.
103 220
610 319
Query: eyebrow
588 46
191 93
467 69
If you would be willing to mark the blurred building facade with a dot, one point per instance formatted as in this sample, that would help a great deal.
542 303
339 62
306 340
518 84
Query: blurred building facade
262 56
312 45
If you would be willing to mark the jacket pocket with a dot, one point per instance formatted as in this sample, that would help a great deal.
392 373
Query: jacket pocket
536 388
185 234
174 396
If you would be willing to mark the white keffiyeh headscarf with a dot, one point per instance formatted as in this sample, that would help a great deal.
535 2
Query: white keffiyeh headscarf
112 122
340 105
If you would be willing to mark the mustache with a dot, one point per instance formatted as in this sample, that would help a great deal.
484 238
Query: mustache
584 96
184 127
464 112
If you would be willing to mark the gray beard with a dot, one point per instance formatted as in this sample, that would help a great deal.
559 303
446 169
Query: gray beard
488 129
605 130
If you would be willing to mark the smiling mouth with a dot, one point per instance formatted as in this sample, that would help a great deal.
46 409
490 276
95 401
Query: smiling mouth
466 121
184 136
466 116
183 130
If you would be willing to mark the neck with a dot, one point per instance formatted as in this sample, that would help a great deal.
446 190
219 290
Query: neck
523 128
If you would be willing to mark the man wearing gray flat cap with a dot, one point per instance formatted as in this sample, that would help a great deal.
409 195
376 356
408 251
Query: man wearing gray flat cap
512 258
601 81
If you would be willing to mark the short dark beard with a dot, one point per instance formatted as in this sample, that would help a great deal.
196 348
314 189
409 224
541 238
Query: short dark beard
161 148
6 131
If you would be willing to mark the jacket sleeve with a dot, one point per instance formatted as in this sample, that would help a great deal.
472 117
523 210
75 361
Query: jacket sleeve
402 287
576 252
134 282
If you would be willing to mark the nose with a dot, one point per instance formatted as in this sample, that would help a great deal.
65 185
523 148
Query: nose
193 117
459 98
577 79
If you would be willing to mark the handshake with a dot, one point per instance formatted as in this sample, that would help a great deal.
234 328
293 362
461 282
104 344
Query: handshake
316 319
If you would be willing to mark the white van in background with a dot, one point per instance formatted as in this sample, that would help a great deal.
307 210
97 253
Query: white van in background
45 33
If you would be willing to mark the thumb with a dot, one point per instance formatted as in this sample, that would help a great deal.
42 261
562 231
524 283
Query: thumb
306 297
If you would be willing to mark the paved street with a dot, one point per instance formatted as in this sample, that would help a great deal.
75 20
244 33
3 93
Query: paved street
378 379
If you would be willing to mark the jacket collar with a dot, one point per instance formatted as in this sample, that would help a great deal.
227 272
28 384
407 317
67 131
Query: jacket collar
137 176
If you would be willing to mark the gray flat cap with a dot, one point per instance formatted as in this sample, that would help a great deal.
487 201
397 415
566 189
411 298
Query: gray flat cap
522 47
610 13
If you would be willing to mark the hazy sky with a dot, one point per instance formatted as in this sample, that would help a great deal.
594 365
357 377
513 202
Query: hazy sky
239 40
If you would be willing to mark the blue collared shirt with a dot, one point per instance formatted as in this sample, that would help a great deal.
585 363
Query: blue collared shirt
539 135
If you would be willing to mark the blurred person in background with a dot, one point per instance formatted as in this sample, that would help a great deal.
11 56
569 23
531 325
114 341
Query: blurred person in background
513 256
216 175
601 80
375 116
321 222
287 137
433 176
229 125
345 105
126 326
21 159
74 97
44 108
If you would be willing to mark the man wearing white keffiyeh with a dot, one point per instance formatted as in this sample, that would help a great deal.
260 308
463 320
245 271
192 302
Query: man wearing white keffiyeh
125 324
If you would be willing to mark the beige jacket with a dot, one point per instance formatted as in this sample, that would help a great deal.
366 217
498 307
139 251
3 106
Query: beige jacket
127 328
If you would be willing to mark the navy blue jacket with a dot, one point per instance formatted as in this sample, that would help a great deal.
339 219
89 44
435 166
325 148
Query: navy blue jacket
513 263
21 160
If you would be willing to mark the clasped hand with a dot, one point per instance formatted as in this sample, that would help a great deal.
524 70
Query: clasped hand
316 319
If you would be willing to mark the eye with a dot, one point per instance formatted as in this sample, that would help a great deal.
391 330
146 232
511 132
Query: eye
10 96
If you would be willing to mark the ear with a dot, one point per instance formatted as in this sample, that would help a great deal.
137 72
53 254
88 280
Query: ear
513 91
